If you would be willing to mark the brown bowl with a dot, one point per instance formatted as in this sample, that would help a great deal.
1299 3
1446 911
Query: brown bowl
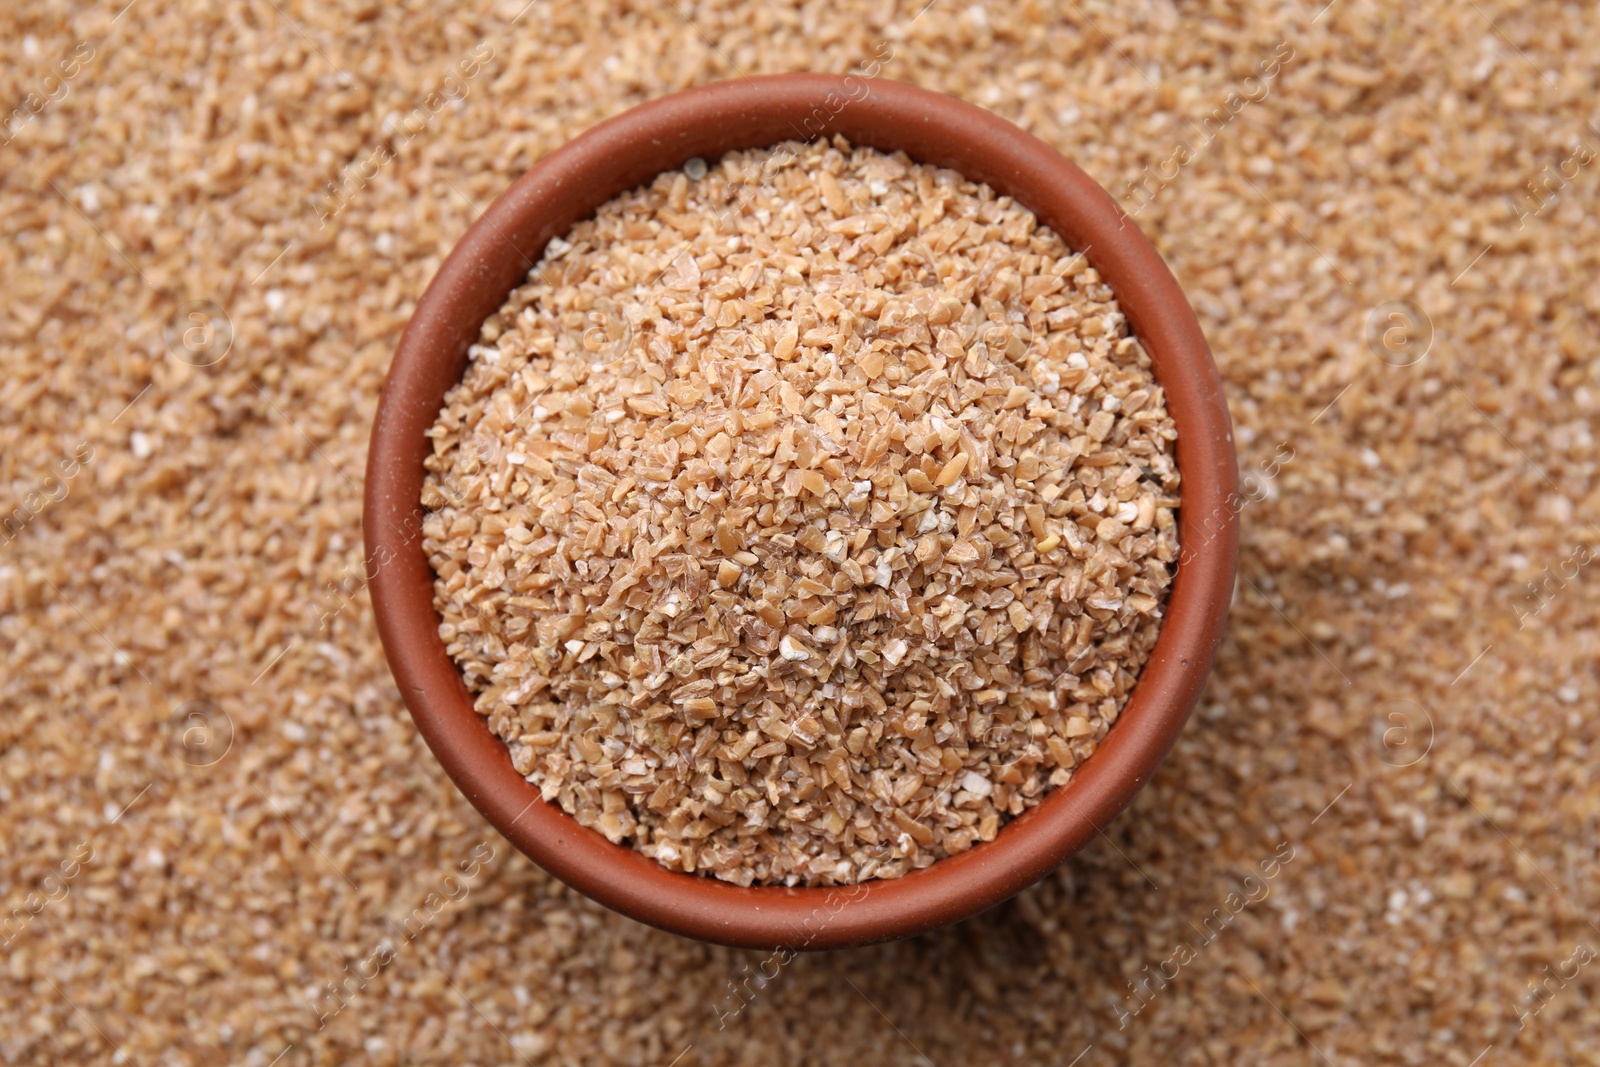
495 256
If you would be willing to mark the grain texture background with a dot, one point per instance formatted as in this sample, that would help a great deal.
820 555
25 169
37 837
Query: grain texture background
213 803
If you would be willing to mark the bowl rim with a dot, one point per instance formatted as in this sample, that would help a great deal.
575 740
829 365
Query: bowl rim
493 257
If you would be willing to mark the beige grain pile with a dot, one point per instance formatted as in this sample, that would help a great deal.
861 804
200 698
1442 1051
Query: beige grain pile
1384 567
848 545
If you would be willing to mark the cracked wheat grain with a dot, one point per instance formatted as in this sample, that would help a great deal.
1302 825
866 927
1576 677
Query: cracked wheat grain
803 522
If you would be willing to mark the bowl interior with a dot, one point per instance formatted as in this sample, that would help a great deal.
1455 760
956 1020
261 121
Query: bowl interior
494 257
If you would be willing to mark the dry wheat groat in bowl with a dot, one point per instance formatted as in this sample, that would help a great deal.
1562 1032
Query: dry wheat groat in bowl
801 541
843 545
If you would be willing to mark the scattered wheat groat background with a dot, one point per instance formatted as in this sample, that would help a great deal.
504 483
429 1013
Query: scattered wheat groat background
214 805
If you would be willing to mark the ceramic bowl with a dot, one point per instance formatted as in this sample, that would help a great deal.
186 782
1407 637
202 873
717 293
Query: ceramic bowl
495 256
